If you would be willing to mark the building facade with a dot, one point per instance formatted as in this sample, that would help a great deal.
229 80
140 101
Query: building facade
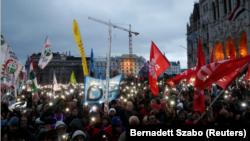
172 70
64 65
209 21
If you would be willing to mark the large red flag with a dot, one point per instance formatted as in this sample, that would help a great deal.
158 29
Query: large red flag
200 56
226 80
158 64
210 73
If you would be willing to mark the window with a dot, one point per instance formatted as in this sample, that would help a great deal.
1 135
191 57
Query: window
214 11
230 6
126 67
122 67
127 70
135 70
122 71
225 6
218 10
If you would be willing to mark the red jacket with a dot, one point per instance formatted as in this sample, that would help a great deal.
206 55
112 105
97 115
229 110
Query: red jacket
109 131
93 131
144 112
191 122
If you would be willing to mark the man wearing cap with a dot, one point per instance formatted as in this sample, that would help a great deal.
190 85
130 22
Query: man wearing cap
115 129
195 119
79 136
156 112
12 131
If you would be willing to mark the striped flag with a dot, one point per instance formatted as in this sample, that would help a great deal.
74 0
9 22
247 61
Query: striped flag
237 11
32 75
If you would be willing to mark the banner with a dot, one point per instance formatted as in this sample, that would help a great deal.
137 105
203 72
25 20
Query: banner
78 40
94 89
46 55
4 49
12 65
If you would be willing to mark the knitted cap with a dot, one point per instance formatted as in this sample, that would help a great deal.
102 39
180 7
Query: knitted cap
79 133
13 121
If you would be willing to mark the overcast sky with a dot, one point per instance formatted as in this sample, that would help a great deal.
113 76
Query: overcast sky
25 25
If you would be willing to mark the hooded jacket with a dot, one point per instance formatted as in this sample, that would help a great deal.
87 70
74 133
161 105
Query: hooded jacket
59 123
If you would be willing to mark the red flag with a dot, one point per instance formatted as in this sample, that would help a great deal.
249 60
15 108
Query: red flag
199 102
210 73
200 56
158 64
247 77
226 80
185 76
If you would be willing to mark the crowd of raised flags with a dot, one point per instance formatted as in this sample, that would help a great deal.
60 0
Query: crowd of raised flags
203 75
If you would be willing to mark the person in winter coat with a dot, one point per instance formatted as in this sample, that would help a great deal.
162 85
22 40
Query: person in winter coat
79 136
111 113
95 124
115 129
61 130
75 125
58 116
12 132
73 115
195 119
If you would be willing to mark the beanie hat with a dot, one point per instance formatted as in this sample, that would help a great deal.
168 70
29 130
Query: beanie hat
76 123
180 105
111 109
156 106
14 121
79 133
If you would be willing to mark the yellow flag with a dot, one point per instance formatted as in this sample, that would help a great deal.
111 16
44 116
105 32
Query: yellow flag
78 40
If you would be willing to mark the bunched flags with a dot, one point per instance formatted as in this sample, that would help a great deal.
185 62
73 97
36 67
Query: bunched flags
237 11
46 55
158 64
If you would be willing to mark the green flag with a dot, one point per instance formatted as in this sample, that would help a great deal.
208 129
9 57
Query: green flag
73 79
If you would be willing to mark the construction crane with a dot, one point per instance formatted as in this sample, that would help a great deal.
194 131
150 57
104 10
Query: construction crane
130 38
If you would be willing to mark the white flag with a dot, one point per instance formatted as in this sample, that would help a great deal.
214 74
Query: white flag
46 55
12 65
4 49
55 85
12 95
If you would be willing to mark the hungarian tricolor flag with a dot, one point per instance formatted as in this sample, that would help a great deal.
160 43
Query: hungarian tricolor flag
32 75
237 11
158 64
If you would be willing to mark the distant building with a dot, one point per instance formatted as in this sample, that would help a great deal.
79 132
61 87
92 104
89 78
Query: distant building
210 21
173 69
64 65
182 70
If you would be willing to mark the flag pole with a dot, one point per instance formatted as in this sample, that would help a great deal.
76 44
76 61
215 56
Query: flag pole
212 103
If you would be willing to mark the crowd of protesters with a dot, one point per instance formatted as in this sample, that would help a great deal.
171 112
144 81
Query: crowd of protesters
69 119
